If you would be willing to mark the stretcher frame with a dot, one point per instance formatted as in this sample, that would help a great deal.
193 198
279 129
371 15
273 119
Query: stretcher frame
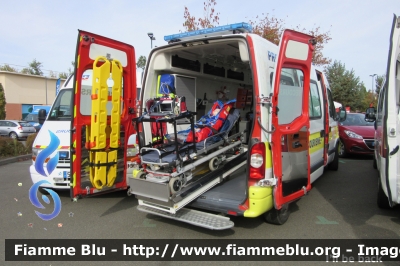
197 154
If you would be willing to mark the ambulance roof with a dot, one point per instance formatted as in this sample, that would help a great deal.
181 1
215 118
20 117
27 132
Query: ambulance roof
203 33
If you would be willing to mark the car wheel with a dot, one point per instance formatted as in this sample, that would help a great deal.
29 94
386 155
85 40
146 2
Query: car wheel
278 217
13 135
342 149
334 165
382 200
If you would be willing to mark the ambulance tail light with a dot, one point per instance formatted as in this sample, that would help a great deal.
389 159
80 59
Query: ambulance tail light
257 161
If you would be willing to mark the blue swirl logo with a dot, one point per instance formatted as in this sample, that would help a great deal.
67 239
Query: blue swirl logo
45 153
35 201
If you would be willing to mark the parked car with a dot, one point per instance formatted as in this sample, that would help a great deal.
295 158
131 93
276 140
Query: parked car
356 135
16 129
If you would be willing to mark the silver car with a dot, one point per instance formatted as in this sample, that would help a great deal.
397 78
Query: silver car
16 129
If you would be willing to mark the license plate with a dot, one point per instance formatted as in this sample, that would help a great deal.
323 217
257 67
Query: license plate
58 179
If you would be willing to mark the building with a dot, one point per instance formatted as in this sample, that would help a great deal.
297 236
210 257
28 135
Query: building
22 91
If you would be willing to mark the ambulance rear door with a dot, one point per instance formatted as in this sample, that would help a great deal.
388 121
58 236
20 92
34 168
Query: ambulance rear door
290 117
390 174
103 105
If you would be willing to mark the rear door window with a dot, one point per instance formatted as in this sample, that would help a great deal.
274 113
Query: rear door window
24 124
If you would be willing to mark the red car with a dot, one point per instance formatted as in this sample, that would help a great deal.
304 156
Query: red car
356 135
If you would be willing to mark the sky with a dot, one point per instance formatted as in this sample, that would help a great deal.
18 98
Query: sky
47 30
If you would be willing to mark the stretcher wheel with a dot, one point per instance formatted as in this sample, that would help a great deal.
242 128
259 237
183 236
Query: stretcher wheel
213 164
175 184
141 175
128 192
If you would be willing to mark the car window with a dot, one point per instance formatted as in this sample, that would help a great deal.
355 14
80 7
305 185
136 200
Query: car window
11 124
2 123
356 120
31 117
24 124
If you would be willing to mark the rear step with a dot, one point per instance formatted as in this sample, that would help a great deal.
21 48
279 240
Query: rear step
198 218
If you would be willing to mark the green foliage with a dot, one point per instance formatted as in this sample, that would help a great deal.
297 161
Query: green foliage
141 62
35 68
63 75
8 68
379 82
346 87
29 142
2 102
11 147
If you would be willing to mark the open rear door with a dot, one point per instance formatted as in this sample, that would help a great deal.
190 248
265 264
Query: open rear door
290 148
391 179
103 106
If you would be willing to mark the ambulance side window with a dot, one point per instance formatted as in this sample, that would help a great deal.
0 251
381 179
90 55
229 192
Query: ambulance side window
314 106
61 109
332 111
290 99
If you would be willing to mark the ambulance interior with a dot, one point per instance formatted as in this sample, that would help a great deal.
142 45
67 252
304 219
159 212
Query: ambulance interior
204 73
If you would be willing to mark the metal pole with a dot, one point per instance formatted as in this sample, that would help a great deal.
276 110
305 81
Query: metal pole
372 86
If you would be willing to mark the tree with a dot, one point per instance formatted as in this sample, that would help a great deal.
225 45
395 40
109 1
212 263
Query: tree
209 21
346 87
271 28
35 68
268 27
141 62
63 75
321 39
379 82
2 103
8 68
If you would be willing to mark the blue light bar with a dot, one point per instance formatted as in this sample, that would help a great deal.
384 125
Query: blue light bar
220 30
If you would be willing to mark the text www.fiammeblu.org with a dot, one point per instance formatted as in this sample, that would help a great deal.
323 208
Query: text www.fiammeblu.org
230 250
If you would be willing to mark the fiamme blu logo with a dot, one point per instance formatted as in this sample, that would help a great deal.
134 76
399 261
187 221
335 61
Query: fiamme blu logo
45 169
35 201
48 152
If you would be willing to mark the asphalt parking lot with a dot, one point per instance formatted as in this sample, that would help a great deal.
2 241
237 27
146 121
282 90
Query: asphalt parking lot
341 205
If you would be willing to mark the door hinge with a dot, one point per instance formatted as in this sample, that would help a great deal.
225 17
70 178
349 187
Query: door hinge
263 99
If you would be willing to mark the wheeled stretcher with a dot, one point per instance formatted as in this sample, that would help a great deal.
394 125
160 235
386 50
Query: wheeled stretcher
173 157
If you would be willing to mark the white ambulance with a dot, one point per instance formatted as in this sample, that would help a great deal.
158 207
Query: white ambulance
288 125
387 126
51 157
51 148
